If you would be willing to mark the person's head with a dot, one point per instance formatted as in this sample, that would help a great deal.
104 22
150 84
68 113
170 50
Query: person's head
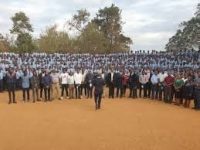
189 77
78 70
46 72
25 73
11 70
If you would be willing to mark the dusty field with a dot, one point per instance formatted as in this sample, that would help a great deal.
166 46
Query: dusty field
120 125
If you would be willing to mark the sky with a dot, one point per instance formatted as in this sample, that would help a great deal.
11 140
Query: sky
150 23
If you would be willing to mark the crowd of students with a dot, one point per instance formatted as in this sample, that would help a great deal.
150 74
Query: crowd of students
169 77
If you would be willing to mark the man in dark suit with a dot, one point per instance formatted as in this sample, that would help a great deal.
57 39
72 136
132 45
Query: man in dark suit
88 82
110 83
98 83
11 84
133 84
47 82
118 83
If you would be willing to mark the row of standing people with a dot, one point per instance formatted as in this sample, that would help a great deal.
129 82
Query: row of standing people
147 84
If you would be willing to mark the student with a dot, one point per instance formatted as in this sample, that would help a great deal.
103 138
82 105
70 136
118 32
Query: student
143 79
154 85
133 83
78 81
55 85
110 83
125 79
35 86
161 77
26 86
11 85
197 92
168 87
188 91
98 83
89 85
47 82
70 81
178 85
64 83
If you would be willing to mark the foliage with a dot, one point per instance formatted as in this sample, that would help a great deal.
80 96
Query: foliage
22 29
188 36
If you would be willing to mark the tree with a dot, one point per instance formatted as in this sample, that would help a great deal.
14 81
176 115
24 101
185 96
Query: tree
188 34
6 43
109 21
22 29
54 41
92 40
79 20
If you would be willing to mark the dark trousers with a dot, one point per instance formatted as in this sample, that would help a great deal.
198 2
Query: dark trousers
41 91
97 98
160 91
123 90
78 91
89 92
168 94
148 86
84 89
197 98
64 88
119 91
26 94
133 92
143 87
154 91
35 94
1 85
111 90
11 94
47 93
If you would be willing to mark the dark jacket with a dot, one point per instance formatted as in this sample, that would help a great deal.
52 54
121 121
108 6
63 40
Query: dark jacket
88 79
133 80
47 81
117 80
108 79
11 80
98 83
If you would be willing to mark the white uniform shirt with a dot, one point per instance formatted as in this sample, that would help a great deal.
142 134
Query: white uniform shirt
78 78
64 78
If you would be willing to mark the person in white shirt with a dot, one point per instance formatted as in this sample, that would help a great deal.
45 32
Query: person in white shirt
161 77
143 80
78 81
83 84
64 83
70 81
154 88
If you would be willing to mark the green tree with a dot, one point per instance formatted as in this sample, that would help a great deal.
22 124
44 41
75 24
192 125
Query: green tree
22 29
54 41
109 21
79 20
188 34
92 40
6 43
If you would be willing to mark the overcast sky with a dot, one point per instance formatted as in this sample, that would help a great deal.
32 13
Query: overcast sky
150 23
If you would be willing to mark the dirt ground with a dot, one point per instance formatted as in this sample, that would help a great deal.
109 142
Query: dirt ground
121 124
